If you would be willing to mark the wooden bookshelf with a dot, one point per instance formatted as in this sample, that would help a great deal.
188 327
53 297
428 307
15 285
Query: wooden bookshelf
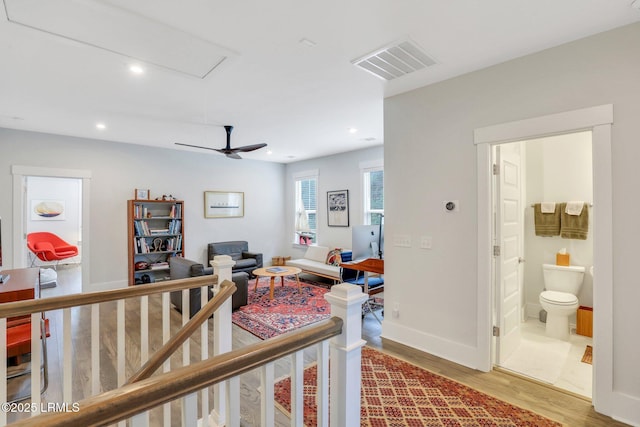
155 234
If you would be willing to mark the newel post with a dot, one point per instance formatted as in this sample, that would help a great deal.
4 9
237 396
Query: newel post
227 393
345 352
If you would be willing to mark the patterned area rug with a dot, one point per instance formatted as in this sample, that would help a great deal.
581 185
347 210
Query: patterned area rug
396 393
289 309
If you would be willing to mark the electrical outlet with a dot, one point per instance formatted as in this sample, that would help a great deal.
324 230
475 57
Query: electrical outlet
425 242
396 310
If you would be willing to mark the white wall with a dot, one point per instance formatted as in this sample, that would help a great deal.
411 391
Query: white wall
117 169
337 172
558 169
434 159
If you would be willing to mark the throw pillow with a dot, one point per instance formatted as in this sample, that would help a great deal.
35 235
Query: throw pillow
334 257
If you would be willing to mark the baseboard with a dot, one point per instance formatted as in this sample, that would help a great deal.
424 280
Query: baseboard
456 352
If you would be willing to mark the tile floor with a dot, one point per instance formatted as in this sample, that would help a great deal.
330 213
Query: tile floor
552 361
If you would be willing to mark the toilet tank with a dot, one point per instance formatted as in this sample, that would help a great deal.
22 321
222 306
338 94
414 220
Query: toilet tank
563 278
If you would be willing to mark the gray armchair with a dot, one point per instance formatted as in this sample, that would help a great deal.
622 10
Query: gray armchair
181 268
238 250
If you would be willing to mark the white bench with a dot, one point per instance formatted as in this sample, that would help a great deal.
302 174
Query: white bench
315 262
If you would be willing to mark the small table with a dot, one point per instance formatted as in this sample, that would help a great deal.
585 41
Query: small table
281 272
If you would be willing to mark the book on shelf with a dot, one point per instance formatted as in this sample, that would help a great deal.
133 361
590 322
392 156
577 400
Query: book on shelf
159 266
159 231
276 269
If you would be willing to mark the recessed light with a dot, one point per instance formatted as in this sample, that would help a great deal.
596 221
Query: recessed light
136 69
101 126
353 130
269 152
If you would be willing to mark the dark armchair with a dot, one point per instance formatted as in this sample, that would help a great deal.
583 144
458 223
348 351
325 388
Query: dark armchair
181 268
238 250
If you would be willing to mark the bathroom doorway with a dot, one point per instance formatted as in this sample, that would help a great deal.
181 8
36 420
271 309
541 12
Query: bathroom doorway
550 169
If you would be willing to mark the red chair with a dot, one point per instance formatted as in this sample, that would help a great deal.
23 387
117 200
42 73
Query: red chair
19 345
49 247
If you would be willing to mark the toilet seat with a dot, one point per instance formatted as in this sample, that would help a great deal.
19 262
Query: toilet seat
558 298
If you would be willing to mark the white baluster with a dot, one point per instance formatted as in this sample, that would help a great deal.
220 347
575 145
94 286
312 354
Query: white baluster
222 265
166 366
36 361
346 349
204 352
322 397
267 378
67 363
297 398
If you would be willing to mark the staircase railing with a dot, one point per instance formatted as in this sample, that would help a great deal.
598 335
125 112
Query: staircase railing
143 392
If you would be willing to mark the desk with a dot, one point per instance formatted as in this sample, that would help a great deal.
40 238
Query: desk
369 265
22 284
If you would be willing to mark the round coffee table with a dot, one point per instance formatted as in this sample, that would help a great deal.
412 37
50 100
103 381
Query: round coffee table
273 272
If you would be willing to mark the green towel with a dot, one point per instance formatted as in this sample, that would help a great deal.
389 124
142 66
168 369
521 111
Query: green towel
574 226
546 224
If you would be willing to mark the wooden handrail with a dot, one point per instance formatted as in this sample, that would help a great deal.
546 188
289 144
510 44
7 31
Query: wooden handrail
122 403
20 308
227 288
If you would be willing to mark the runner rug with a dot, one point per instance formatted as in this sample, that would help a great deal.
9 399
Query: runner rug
288 310
397 393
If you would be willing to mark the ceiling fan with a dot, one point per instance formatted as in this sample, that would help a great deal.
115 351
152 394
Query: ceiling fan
228 151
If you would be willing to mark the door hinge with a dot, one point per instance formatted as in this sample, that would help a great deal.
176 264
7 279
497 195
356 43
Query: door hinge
496 169
496 250
496 331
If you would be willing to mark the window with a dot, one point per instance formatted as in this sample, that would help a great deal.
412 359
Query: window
306 208
373 191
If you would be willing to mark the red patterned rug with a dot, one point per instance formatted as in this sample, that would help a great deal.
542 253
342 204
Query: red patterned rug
289 309
396 393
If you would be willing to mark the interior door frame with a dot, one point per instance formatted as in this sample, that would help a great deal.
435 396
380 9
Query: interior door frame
598 120
20 174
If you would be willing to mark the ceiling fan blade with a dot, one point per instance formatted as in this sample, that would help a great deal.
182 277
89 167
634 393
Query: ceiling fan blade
246 148
196 146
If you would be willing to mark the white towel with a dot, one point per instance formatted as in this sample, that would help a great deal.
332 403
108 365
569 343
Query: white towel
574 208
547 207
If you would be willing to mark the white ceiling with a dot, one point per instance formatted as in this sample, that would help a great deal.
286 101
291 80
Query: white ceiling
65 66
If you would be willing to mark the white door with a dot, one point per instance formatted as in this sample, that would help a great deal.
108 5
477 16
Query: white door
509 237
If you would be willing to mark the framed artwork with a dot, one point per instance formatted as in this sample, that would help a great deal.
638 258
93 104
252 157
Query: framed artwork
142 194
48 210
338 208
223 204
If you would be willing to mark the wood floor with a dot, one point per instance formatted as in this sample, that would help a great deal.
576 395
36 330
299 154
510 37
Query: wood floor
555 404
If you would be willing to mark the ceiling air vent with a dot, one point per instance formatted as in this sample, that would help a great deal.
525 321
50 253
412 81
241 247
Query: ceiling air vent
395 60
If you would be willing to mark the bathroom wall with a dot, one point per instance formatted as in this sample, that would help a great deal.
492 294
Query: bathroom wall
558 169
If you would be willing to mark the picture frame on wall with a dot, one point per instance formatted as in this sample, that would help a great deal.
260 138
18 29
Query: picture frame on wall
141 194
338 208
223 204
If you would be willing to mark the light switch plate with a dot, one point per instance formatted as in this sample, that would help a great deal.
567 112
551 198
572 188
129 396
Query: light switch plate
426 242
402 240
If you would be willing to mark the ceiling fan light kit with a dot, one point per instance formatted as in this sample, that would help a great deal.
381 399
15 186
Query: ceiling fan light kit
232 153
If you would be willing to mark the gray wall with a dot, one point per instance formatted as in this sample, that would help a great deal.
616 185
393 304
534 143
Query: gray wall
434 159
117 169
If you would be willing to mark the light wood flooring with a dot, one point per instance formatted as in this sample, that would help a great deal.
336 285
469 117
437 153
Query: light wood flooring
555 404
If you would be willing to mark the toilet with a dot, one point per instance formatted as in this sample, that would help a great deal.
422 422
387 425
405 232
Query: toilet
559 300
